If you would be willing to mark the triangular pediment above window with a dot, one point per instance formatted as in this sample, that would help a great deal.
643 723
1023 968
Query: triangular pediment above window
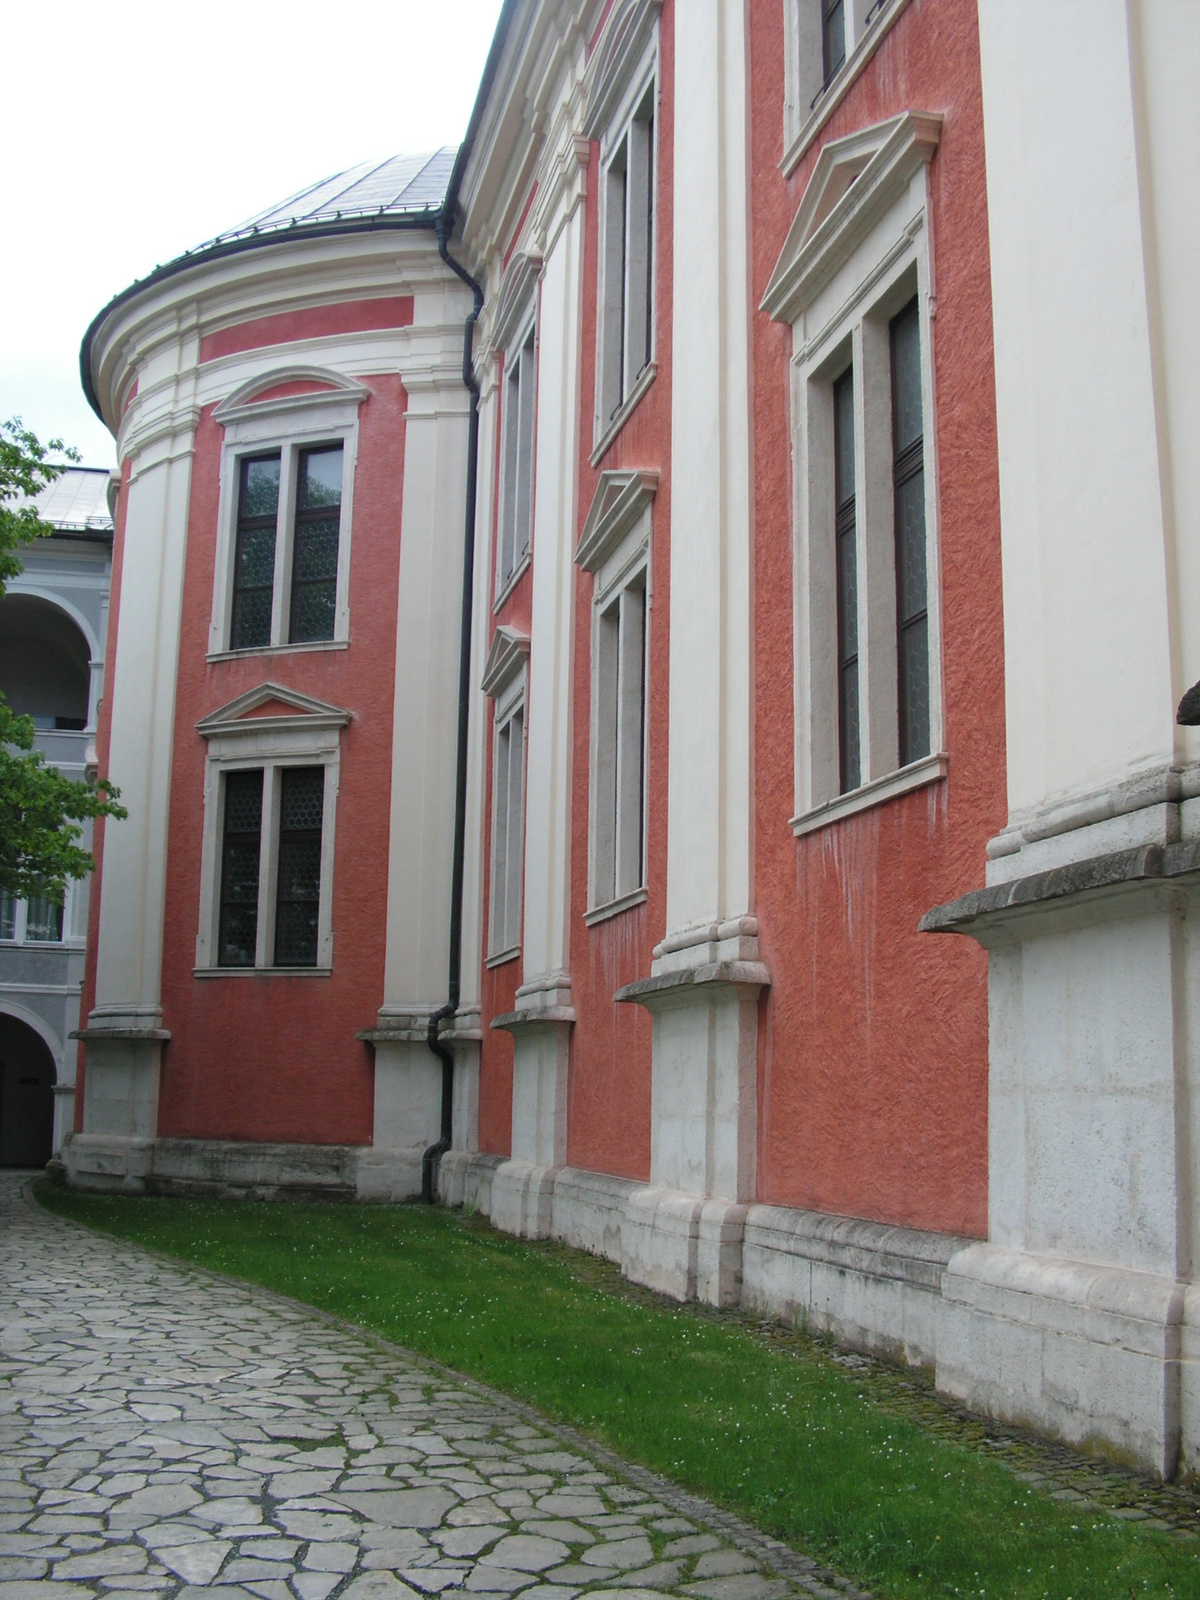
855 180
516 293
271 706
624 39
507 656
619 501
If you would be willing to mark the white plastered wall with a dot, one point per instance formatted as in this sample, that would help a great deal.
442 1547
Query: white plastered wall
1077 1313
1091 146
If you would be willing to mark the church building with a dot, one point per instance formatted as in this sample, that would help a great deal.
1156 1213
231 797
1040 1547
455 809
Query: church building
645 665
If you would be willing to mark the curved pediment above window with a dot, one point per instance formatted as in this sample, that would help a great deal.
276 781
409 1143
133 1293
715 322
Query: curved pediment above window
854 182
625 38
295 387
516 291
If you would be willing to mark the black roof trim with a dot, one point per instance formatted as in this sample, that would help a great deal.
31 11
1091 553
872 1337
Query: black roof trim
233 247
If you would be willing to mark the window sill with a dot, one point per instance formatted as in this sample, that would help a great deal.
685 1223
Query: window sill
643 381
277 650
262 972
501 956
613 908
511 582
930 769
795 145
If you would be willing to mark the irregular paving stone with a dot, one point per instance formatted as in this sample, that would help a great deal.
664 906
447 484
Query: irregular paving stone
164 1432
620 1553
525 1552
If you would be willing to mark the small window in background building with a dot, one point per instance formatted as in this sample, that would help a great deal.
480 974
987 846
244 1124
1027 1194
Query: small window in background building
298 884
846 542
241 848
315 546
8 915
254 560
43 921
908 478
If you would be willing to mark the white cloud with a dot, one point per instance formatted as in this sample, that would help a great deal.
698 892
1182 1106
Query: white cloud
137 129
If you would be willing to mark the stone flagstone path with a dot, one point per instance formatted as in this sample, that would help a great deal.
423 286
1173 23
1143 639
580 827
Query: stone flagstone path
165 1431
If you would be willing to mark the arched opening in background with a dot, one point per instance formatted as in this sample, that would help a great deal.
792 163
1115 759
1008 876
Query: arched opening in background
44 662
26 1095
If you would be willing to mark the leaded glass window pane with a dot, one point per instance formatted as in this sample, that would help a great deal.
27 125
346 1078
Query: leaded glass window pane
238 933
254 559
315 548
298 891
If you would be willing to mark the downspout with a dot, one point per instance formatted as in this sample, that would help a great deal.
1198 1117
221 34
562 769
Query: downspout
434 1153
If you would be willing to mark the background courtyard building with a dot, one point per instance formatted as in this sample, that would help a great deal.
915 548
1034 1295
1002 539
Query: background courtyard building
53 620
786 629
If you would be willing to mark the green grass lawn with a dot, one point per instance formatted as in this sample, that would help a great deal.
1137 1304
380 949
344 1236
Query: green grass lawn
783 1436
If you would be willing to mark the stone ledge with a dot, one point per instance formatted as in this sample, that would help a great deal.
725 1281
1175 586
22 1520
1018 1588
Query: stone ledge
534 1017
644 991
1123 869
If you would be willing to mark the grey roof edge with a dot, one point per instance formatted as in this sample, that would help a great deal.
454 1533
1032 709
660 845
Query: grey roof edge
373 224
490 68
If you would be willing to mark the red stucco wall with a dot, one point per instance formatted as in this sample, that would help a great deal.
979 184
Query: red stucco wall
873 1059
259 1057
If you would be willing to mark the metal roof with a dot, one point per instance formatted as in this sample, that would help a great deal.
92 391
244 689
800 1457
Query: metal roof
401 192
398 187
77 502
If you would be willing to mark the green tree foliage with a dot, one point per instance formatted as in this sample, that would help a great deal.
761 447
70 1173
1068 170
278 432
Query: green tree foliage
41 812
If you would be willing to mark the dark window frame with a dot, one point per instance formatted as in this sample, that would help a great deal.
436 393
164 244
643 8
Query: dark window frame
231 906
246 525
913 687
845 535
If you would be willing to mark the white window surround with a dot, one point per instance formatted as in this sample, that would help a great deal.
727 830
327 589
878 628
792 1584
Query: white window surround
615 548
240 736
518 419
504 681
858 251
622 103
290 424
806 109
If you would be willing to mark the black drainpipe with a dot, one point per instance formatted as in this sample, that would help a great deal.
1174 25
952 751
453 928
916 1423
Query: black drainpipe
435 1152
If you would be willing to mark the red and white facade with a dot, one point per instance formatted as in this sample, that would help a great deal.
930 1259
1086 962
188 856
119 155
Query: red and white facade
833 556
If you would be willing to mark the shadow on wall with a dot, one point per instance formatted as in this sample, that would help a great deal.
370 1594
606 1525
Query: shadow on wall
26 1096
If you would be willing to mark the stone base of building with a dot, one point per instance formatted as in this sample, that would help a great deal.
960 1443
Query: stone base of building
239 1169
1087 1353
1102 1358
874 1287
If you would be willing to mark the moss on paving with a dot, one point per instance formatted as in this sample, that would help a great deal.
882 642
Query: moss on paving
858 1468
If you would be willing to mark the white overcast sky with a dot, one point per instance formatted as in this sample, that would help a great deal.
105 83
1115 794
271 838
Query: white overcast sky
136 129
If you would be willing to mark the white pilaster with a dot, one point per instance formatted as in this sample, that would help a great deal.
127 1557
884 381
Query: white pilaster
124 1033
423 757
683 1235
1078 1313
